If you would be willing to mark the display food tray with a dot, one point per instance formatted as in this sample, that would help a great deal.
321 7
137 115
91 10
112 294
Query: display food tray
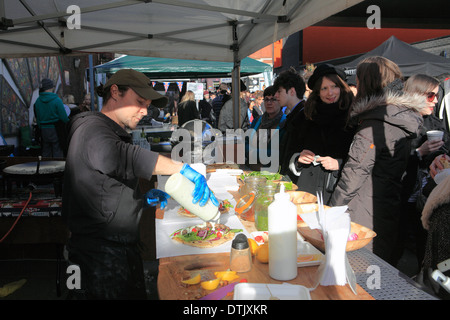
263 291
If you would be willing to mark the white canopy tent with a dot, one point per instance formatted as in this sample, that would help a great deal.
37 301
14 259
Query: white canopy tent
211 30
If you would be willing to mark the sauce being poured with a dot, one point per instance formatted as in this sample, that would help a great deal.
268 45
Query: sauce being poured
181 188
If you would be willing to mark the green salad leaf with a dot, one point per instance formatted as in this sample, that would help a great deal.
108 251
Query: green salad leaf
266 174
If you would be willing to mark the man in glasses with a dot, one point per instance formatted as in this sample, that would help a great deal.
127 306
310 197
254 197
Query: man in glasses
266 128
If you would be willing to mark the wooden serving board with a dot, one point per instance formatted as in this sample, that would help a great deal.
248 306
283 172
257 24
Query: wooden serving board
175 269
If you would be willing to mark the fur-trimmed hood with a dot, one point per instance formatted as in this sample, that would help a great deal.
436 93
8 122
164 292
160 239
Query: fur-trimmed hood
439 196
395 108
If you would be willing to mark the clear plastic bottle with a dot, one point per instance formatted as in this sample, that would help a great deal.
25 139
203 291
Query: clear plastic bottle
180 188
282 237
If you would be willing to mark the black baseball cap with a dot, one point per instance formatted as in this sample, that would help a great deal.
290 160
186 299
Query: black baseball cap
140 84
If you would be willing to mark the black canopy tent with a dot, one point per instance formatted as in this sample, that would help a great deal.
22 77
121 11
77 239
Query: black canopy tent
411 60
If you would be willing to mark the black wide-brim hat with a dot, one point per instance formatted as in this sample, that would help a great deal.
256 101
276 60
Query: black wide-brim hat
323 70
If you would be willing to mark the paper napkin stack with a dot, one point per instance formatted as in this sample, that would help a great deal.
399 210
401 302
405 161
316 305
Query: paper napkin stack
334 224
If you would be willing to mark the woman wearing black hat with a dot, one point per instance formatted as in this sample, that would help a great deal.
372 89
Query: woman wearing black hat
325 139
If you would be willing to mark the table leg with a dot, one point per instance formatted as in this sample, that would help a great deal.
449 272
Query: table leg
57 185
58 269
8 187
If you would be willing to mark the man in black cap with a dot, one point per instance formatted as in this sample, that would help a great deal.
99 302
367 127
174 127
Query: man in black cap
102 202
50 117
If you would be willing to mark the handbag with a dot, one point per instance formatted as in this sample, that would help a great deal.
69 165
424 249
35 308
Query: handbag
331 182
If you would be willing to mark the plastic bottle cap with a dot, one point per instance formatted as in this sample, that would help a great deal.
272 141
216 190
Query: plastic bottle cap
282 195
240 242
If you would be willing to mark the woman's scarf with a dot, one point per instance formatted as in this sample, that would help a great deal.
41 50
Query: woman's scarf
267 123
327 113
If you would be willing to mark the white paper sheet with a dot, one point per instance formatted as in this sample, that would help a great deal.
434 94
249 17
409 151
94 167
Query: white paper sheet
171 210
218 182
335 225
232 172
221 181
333 213
166 247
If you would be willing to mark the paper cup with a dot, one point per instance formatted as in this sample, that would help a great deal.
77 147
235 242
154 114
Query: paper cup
435 135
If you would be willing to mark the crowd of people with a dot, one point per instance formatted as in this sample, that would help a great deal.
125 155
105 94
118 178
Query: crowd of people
361 142
370 151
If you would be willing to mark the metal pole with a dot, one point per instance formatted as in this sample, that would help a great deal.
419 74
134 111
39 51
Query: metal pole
236 90
235 77
91 81
2 9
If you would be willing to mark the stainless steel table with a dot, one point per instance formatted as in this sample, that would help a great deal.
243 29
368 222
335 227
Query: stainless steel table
382 281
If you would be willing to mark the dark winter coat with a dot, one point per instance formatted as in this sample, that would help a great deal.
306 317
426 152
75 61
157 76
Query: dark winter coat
410 183
370 182
289 145
436 220
187 110
218 103
326 135
206 111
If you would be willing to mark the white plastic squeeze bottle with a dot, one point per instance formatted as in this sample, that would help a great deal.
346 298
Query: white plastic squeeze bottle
282 237
180 188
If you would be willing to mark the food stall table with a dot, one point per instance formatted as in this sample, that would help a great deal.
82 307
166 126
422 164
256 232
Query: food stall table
391 284
175 268
163 131
375 278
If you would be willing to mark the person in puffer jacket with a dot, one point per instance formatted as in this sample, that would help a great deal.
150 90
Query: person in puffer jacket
386 121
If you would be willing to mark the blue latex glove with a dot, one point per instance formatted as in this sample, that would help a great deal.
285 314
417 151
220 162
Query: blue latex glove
201 190
155 196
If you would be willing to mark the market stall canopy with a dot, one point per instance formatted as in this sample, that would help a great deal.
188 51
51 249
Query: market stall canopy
411 60
210 30
163 68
